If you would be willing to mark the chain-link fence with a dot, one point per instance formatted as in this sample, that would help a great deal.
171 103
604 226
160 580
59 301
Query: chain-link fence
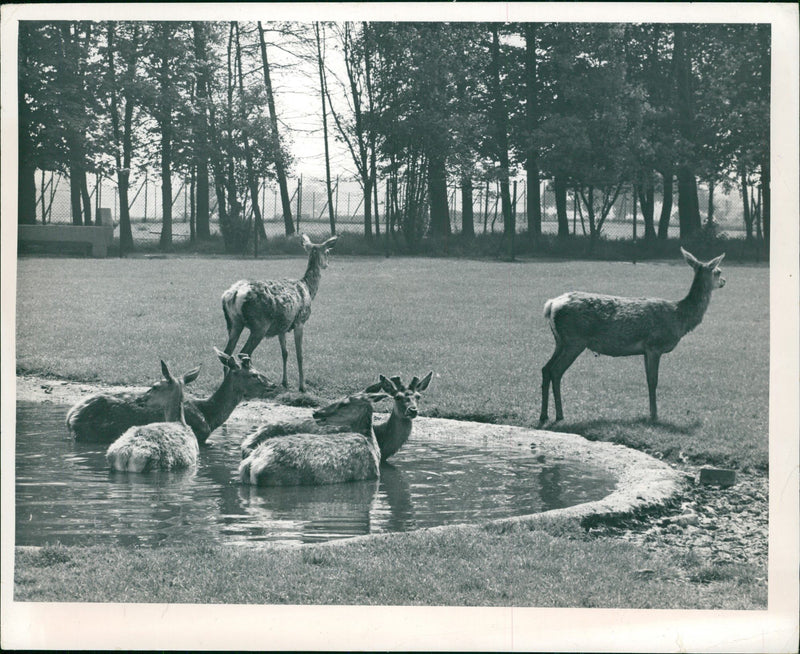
311 214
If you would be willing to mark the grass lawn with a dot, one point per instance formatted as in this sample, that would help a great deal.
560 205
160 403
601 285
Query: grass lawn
479 326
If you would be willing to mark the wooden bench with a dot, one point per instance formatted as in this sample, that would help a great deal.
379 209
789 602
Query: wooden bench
97 237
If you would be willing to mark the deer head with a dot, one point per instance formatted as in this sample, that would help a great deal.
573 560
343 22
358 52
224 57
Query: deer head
318 254
405 398
158 395
710 268
246 380
170 392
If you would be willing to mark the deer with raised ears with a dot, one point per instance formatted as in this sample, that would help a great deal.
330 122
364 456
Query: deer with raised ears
105 416
164 445
241 382
340 444
273 308
620 326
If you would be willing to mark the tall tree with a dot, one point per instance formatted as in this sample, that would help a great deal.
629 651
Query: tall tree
122 90
26 189
688 205
320 39
252 179
534 209
202 73
500 124
280 167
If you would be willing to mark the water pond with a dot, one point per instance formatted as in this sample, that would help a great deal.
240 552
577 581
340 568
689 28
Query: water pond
66 493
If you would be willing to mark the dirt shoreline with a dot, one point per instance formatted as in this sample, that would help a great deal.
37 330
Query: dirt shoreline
654 505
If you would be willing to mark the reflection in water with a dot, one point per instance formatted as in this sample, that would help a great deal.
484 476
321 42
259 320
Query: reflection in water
550 485
318 512
65 492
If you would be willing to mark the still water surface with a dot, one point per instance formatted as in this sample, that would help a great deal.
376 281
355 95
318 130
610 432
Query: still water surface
66 493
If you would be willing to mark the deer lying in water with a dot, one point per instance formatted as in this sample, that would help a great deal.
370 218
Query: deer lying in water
619 326
340 444
273 308
105 416
164 445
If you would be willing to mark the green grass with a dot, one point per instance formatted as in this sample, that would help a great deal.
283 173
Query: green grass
477 324
459 567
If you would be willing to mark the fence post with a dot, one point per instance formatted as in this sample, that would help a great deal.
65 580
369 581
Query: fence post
299 201
634 224
336 207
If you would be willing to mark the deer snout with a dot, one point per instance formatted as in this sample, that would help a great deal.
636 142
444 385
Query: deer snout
411 412
721 282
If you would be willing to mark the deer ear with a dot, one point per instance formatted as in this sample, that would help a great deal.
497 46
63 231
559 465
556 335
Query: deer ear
716 261
165 371
690 259
425 381
307 244
374 388
190 376
388 386
226 359
330 242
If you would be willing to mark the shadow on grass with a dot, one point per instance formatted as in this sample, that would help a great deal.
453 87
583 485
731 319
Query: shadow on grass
600 429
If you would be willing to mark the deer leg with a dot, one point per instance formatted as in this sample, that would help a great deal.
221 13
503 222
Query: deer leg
559 367
235 328
651 360
298 347
285 355
546 378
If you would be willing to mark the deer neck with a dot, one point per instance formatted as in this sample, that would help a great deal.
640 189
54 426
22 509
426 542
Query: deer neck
692 308
218 408
392 434
175 414
312 276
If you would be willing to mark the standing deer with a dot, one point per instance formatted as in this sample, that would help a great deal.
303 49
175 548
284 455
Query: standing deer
160 445
620 326
273 308
340 444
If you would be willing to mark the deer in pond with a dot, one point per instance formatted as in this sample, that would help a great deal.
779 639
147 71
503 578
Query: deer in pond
105 416
620 326
273 308
340 444
166 445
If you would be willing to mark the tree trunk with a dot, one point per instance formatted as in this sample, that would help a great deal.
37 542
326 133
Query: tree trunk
321 70
748 219
437 195
688 206
165 125
560 191
666 206
280 168
26 187
467 216
765 196
85 199
646 193
202 223
75 195
252 180
26 181
501 134
710 206
534 209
